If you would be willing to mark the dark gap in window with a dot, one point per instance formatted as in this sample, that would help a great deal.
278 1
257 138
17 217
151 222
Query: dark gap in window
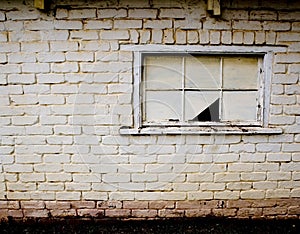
211 113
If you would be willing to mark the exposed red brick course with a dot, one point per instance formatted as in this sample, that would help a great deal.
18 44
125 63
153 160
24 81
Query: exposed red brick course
255 209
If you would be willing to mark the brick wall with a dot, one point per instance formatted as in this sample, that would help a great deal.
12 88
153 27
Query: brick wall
66 89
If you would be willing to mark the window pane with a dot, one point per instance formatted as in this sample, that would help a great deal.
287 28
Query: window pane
163 106
240 73
163 72
202 72
239 106
202 106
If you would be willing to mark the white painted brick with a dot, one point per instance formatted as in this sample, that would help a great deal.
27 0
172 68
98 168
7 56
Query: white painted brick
114 35
212 167
2 16
10 47
213 24
145 196
239 185
21 78
84 35
173 196
51 187
99 24
94 195
247 25
263 15
266 167
157 36
111 13
187 24
51 99
124 24
145 36
10 68
204 36
39 130
248 38
278 157
3 58
32 177
35 46
51 57
200 195
82 13
22 168
215 149
241 148
111 178
277 26
125 196
240 167
22 57
80 56
253 194
180 37
278 193
24 120
64 67
214 37
265 185
65 24
253 176
78 168
292 166
24 99
227 177
237 37
264 147
55 35
38 25
270 38
59 140
225 158
227 195
158 24
23 15
86 178
212 186
279 176
142 13
64 46
260 38
35 67
68 196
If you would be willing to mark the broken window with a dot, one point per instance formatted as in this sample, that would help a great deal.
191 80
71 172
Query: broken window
200 89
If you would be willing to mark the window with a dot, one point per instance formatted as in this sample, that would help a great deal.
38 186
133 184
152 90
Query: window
189 89
201 89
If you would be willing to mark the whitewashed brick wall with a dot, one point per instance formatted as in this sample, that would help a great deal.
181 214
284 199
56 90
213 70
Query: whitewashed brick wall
66 89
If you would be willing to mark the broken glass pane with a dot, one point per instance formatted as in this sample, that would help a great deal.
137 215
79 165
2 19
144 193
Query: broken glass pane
163 106
240 106
163 72
240 73
202 106
202 72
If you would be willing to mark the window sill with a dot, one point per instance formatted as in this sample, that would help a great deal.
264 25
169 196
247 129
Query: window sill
199 131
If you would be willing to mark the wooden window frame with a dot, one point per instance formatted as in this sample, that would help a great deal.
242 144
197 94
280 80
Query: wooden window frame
266 52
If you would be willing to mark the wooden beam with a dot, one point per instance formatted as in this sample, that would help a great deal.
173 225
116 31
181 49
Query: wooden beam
40 4
214 6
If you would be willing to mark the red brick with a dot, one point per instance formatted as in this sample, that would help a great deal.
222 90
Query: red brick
209 204
288 202
249 212
9 205
161 204
135 205
83 204
117 213
144 213
3 213
63 213
197 212
54 205
263 203
32 204
294 210
166 213
35 213
224 212
109 204
90 212
187 204
239 204
15 213
274 211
